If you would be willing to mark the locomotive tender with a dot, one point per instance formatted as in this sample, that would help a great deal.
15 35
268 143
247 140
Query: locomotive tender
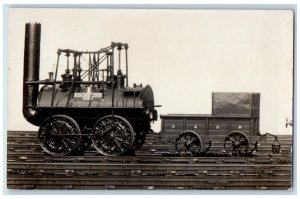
90 103
234 119
235 116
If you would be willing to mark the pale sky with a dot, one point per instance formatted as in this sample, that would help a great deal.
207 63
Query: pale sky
185 55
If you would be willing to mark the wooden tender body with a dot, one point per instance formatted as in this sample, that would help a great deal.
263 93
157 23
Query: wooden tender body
235 117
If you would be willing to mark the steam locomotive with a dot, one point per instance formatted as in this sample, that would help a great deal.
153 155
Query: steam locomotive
90 103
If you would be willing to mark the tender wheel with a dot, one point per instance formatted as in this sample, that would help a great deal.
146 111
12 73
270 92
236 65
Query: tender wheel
113 135
188 143
236 144
59 135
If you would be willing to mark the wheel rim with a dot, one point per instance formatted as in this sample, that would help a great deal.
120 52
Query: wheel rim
236 144
188 143
59 135
113 135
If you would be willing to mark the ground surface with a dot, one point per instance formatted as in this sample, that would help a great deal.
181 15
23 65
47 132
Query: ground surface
155 166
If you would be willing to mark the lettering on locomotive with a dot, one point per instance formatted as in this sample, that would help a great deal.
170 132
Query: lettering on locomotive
88 95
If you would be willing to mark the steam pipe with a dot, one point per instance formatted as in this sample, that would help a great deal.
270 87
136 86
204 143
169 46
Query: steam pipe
31 71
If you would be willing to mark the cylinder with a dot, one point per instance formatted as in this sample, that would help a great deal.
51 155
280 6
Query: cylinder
31 71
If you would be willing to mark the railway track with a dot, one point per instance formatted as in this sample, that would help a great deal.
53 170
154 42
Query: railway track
155 166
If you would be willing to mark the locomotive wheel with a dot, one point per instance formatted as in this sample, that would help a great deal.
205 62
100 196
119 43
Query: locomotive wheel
59 135
113 135
188 143
236 144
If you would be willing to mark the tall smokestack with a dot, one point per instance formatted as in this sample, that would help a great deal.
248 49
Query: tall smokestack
31 71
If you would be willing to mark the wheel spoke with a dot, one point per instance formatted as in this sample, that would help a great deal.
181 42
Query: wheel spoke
243 143
234 138
121 140
70 141
240 137
184 139
243 150
230 138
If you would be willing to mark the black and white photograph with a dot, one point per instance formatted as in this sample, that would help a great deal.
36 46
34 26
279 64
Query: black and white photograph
149 99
